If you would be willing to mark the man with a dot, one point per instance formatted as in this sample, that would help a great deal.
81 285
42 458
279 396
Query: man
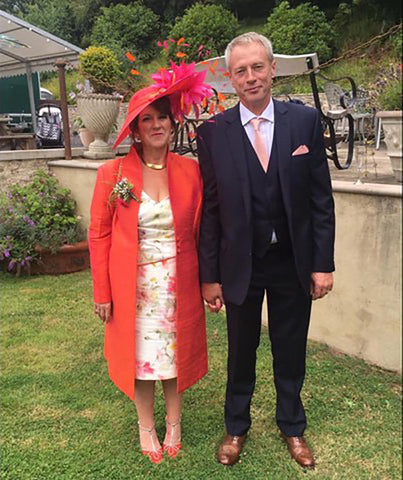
267 226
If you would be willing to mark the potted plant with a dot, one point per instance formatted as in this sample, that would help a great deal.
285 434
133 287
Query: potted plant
389 105
99 110
40 231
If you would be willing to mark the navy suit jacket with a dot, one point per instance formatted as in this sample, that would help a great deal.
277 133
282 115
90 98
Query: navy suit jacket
225 245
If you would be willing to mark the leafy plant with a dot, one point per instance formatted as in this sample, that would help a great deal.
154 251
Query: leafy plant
54 17
38 213
299 30
123 28
207 29
78 122
391 96
387 89
101 67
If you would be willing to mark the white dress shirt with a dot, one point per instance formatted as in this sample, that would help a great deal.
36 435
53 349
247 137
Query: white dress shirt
266 127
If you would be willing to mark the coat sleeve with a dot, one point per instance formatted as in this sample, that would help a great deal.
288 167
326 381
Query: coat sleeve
99 238
322 205
210 229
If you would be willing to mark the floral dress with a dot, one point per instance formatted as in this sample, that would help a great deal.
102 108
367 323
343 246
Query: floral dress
156 291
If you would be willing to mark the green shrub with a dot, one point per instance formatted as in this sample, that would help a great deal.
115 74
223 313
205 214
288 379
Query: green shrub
390 97
54 17
209 25
39 212
123 28
102 68
300 30
72 78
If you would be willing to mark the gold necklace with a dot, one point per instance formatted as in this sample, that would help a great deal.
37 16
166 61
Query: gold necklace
154 166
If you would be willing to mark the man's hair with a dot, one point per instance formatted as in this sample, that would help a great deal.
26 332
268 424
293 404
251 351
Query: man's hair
244 39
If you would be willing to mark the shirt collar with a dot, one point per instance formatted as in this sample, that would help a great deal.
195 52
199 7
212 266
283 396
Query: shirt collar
247 115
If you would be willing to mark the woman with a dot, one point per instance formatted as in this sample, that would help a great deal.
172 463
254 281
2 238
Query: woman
143 232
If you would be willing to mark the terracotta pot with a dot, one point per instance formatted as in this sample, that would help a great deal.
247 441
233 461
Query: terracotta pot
86 137
67 259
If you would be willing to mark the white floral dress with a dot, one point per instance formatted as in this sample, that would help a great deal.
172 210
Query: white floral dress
156 291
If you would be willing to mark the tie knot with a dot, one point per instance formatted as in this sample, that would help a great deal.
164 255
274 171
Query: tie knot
256 123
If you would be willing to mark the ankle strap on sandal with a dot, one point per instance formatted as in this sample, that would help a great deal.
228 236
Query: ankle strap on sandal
149 430
174 424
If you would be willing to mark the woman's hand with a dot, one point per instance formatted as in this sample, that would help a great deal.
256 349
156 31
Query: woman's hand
103 310
213 296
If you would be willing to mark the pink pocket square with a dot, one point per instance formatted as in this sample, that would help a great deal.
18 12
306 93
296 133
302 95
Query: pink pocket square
301 150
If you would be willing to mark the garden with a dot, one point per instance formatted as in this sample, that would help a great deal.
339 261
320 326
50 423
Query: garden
143 36
63 419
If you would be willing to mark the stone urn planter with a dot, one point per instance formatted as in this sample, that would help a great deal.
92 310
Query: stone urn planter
67 259
392 127
86 137
99 113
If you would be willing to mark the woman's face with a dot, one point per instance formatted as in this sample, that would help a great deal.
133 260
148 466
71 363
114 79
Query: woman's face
154 128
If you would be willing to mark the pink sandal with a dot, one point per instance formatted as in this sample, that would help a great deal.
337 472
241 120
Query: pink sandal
171 449
155 455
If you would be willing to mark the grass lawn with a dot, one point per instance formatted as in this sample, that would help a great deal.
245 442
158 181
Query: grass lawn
62 418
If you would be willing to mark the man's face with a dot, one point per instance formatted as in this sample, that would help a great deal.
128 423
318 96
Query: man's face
251 75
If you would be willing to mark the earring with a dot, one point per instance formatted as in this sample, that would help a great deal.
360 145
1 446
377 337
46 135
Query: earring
137 139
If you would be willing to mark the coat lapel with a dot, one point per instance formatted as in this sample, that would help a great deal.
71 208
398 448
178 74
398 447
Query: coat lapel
131 169
282 134
235 131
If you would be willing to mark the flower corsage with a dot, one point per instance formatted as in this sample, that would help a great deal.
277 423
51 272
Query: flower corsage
123 191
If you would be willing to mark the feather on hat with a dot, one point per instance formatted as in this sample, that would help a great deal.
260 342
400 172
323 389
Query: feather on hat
183 86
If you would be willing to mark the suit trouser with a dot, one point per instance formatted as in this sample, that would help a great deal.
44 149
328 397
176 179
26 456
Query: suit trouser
289 308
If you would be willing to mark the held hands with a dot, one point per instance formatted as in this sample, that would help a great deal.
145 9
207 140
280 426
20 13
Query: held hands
103 310
321 284
212 294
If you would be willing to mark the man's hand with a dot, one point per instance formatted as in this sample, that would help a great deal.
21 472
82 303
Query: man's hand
212 294
103 310
321 284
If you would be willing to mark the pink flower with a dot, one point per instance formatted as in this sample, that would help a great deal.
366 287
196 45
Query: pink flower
172 284
144 368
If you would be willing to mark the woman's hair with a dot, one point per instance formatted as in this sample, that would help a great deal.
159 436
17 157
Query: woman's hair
162 105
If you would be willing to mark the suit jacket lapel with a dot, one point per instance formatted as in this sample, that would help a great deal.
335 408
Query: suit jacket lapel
235 131
282 133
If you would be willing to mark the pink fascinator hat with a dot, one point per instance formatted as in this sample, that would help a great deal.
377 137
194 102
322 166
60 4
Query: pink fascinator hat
183 86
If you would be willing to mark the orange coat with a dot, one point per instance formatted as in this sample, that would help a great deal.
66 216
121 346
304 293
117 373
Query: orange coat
113 250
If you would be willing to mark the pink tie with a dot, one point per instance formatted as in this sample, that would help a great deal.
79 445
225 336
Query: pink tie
259 143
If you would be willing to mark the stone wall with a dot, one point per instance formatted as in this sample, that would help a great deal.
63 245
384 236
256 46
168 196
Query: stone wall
362 314
15 171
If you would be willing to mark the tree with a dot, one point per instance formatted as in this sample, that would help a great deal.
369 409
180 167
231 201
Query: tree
207 29
299 30
56 18
123 28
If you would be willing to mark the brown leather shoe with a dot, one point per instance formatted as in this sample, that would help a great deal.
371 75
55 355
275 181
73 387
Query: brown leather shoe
300 451
230 449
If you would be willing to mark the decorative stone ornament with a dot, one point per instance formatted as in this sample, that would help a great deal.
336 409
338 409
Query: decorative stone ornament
392 127
99 113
